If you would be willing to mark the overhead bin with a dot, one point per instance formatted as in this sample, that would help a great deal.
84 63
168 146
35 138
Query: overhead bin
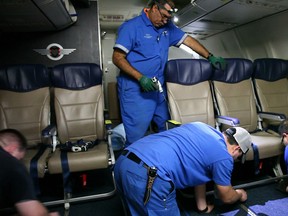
36 15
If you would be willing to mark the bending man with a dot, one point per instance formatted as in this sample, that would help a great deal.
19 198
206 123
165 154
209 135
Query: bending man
150 170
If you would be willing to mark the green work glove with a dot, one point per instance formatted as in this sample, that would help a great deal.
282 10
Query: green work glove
217 62
146 84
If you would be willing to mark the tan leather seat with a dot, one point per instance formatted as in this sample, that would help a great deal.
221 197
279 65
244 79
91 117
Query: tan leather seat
25 106
188 90
79 111
235 97
271 87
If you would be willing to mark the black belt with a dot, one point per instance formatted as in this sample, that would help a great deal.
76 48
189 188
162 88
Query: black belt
134 158
151 171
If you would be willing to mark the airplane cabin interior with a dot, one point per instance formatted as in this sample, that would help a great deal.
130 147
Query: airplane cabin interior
58 86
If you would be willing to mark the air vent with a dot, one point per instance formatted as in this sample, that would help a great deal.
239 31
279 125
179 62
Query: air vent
270 5
198 33
111 18
218 22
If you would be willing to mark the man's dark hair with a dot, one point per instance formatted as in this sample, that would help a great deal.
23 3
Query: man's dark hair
230 137
161 2
15 135
283 127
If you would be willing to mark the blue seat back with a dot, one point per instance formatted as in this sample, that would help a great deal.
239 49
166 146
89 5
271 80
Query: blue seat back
237 70
24 77
79 101
25 99
76 76
234 94
271 87
188 71
270 69
188 90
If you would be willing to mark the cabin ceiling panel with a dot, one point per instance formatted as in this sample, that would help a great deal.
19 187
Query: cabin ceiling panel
221 15
114 12
35 15
207 16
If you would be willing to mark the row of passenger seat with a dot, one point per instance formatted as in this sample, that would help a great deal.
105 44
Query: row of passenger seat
237 95
31 95
53 108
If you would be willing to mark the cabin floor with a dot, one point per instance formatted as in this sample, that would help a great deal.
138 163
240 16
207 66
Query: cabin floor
263 199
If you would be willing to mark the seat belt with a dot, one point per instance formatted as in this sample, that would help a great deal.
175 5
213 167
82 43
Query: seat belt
34 168
78 146
65 172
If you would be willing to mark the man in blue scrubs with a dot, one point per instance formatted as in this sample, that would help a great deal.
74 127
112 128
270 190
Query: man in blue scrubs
141 52
150 170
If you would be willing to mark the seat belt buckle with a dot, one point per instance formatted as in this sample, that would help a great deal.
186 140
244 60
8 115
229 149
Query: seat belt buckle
76 149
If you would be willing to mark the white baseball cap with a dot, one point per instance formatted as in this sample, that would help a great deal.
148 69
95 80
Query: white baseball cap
243 138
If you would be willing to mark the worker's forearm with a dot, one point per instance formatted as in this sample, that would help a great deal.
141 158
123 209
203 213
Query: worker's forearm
121 62
232 197
228 195
200 196
196 46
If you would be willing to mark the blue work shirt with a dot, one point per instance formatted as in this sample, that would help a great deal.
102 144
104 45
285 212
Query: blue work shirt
147 46
190 155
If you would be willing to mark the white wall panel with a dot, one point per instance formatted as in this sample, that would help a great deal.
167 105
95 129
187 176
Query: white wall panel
264 38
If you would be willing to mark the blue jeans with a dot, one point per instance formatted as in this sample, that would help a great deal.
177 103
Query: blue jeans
131 179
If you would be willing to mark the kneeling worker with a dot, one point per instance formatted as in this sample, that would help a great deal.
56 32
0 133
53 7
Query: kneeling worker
283 131
150 170
16 186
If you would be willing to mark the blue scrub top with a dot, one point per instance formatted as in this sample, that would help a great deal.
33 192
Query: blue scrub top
147 46
189 155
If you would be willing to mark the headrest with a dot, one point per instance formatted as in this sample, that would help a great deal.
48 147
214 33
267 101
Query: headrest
24 77
188 71
237 70
270 69
76 76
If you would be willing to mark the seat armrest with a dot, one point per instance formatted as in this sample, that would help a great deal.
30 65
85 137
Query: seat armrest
227 120
50 133
109 131
172 124
50 130
108 124
272 116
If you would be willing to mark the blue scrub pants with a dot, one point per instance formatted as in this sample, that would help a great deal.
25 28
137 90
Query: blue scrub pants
131 179
139 108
